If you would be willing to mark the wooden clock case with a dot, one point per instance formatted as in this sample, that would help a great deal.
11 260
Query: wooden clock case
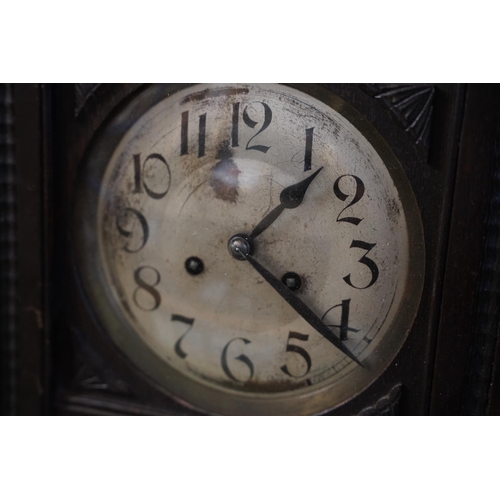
446 137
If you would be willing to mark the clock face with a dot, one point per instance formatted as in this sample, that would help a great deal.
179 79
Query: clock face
249 248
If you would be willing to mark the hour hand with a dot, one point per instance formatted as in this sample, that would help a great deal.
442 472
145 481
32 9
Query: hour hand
300 307
291 197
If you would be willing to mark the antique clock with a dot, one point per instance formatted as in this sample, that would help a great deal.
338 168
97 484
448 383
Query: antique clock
253 249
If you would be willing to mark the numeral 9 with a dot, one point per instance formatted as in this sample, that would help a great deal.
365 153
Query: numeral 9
122 220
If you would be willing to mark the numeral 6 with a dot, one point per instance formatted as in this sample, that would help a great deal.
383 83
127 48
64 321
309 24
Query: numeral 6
242 357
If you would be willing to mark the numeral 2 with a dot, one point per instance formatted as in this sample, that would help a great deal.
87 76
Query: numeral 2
360 191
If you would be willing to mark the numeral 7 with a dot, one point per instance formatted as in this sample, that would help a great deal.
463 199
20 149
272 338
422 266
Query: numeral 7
186 321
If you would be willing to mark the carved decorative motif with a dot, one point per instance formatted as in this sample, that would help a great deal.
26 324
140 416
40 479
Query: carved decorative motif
8 259
92 373
88 379
386 405
411 106
83 91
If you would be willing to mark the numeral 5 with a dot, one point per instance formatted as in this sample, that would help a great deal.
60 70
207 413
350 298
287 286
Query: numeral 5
298 350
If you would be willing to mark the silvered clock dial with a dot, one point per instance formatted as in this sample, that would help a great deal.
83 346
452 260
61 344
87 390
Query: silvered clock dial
250 249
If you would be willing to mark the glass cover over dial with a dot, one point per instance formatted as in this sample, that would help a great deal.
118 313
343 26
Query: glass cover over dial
250 248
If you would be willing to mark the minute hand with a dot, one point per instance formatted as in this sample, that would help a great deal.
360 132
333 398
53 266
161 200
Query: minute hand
301 308
291 197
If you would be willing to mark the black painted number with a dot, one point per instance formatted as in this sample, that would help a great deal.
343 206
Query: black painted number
202 132
298 350
123 221
234 128
360 191
344 319
366 261
154 170
242 358
151 298
309 146
268 116
187 321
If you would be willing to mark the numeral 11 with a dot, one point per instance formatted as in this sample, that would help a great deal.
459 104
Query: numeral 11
202 128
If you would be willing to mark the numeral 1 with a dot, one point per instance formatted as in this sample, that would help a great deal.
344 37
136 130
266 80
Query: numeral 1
201 135
137 174
184 133
309 146
234 129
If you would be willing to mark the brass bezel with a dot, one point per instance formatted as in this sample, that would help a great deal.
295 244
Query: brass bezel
210 399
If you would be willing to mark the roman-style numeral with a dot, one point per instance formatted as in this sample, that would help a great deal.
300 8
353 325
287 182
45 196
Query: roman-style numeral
202 131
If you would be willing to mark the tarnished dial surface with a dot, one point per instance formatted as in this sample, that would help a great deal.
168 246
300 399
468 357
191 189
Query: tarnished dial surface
191 170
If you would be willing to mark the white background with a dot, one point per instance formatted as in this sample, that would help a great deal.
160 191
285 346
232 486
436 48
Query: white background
227 457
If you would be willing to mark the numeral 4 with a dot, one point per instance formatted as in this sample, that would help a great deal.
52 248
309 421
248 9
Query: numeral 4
344 319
